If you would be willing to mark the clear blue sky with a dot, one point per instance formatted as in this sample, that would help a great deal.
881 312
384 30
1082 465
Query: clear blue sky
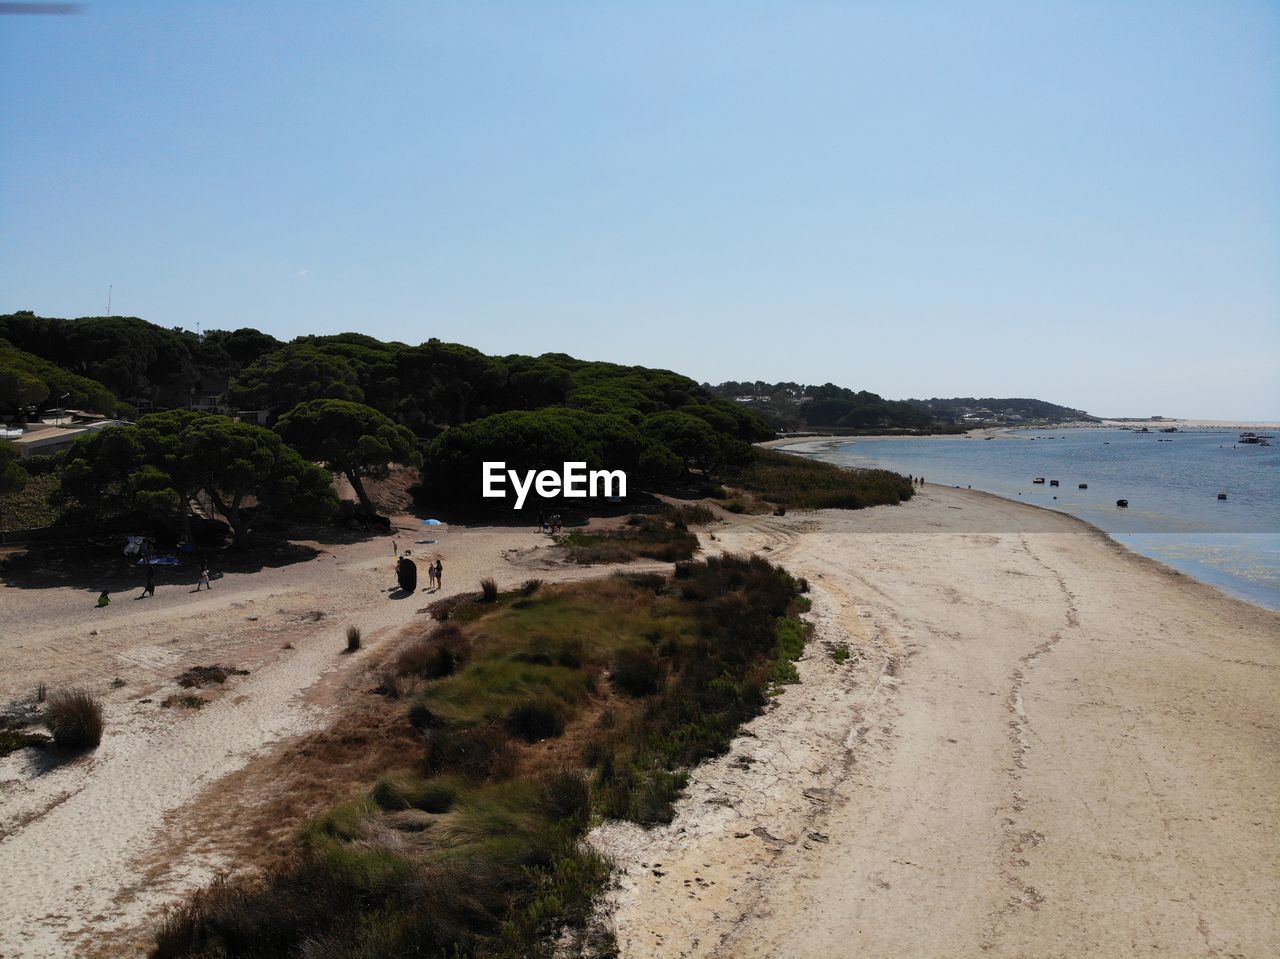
1075 201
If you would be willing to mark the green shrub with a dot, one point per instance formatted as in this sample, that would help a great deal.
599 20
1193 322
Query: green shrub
638 672
537 719
441 654
645 537
488 591
796 482
692 514
405 790
567 795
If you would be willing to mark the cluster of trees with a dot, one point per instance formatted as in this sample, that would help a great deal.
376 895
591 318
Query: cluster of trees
953 409
29 383
349 404
796 406
132 359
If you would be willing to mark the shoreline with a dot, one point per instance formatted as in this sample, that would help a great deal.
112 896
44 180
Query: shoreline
1039 739
813 446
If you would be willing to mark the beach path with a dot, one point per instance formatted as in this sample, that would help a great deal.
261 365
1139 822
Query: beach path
1040 745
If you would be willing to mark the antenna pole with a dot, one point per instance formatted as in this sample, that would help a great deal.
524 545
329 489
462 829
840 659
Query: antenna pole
108 300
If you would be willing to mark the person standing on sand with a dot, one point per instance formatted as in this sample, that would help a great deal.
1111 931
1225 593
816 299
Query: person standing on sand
204 577
150 588
439 570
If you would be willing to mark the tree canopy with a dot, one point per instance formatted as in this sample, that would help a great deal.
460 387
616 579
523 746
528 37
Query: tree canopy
29 381
294 374
13 478
349 438
159 466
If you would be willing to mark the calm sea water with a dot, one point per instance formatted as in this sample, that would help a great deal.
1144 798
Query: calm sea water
1171 481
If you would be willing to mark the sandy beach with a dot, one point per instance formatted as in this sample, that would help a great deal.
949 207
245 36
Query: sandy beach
1040 745
78 839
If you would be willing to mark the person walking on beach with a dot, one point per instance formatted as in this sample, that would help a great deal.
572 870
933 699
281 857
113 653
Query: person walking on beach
204 577
150 588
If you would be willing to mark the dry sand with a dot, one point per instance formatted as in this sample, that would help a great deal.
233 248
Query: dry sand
1042 745
75 836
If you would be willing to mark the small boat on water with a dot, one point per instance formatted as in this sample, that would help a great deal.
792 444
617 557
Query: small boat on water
1222 496
1122 504
1053 482
1083 486
1250 439
1039 480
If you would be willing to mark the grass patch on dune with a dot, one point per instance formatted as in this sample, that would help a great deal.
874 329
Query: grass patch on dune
642 537
564 704
692 514
796 482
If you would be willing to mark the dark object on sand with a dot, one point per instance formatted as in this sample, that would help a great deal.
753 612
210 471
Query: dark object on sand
1122 504
407 575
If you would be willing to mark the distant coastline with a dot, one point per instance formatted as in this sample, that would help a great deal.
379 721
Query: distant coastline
1230 546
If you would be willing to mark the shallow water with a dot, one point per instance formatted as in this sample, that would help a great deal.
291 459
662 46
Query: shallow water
1171 481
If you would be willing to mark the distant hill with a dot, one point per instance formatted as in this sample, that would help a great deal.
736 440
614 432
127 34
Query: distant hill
962 410
790 406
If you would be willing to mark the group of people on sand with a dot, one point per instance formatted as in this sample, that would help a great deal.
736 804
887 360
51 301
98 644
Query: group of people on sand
149 589
550 524
915 480
407 570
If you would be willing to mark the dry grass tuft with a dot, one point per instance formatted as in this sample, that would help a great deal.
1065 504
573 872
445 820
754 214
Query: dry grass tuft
75 719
